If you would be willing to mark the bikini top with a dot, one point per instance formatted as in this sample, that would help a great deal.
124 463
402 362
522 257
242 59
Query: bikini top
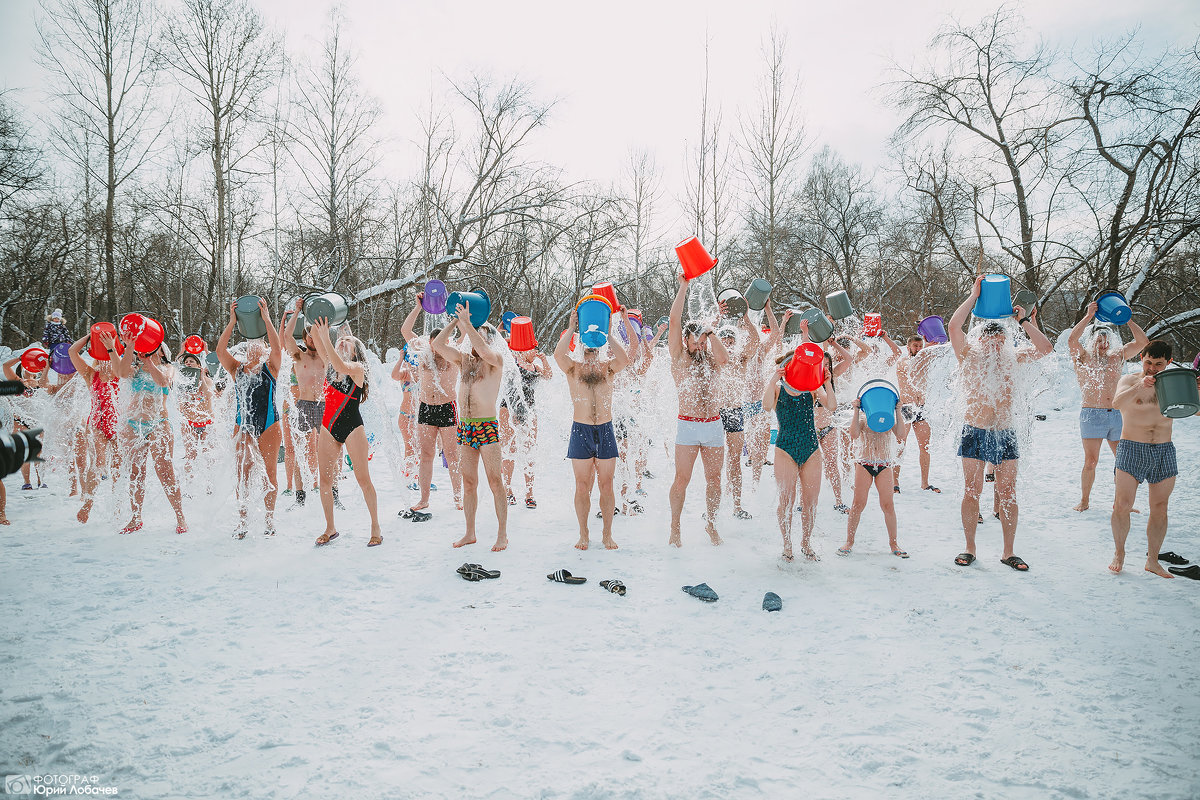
142 382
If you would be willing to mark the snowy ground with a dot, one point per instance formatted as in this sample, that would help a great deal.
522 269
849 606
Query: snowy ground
199 666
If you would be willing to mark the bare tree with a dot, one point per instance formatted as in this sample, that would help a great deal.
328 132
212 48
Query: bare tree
20 159
644 189
99 55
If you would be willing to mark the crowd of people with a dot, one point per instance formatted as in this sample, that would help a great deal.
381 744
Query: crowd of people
464 394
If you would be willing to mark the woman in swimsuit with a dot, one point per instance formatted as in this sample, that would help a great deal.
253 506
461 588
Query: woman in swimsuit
874 465
95 451
403 372
257 436
145 431
795 456
345 388
517 412
195 405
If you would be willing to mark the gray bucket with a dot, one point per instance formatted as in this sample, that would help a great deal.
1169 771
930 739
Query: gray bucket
819 329
792 326
298 330
735 304
250 323
1177 393
838 304
214 364
1026 300
329 305
189 379
757 294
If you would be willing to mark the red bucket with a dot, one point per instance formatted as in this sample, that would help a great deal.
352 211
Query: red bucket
806 371
194 345
521 338
872 324
635 313
35 359
147 331
572 348
96 347
609 293
695 259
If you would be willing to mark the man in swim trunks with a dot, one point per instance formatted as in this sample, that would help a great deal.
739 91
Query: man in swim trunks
593 445
987 369
1099 358
1145 453
697 357
437 414
308 399
912 375
481 367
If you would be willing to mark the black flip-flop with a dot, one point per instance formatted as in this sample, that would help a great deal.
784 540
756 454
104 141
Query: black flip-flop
1016 563
616 587
415 515
771 602
931 488
562 576
1192 572
964 559
483 573
1172 557
374 543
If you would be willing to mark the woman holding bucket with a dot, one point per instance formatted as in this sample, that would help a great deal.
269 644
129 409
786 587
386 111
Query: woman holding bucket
874 464
96 452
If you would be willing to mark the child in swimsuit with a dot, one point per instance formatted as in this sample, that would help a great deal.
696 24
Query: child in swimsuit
874 465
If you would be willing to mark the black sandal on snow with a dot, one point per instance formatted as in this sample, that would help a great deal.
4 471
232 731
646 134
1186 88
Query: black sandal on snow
415 515
530 502
1016 563
931 488
477 570
1192 572
990 477
1172 557
616 587
562 576
896 490
964 559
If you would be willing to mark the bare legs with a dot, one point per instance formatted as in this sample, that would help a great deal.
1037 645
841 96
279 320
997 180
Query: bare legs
733 465
356 446
922 432
490 455
808 475
685 462
1087 477
588 471
832 464
1006 501
862 488
160 448
427 438
1156 525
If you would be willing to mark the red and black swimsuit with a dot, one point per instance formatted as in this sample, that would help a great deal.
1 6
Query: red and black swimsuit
341 407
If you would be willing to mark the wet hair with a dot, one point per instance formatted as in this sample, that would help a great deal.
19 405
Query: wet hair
360 357
844 341
993 329
693 329
436 332
184 356
1157 348
916 337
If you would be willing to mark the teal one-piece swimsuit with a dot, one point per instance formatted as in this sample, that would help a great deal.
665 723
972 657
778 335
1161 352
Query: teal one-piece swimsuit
797 431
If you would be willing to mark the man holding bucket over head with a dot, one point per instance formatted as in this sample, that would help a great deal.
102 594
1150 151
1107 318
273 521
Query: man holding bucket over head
1145 453
988 371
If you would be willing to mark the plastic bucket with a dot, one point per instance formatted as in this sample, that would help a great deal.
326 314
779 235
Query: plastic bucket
147 332
792 326
594 316
872 324
694 258
327 305
819 327
522 339
757 294
96 347
878 399
1178 396
477 302
189 379
214 363
1026 299
571 349
1111 307
806 370
995 298
506 320
608 292
34 359
735 304
933 329
638 331
194 345
250 323
434 301
60 359
838 304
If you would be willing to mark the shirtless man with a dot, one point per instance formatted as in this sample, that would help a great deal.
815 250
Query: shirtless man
988 370
593 445
478 428
696 361
1145 453
437 415
308 396
758 424
912 373
1098 365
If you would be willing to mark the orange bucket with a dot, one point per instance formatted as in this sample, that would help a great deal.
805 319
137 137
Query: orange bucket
96 347
521 338
695 259
147 331
194 345
609 293
35 359
872 324
806 371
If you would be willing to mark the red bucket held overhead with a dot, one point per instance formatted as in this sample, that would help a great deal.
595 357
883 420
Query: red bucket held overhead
521 338
695 259
194 345
609 293
96 347
35 359
806 371
572 347
147 333
872 324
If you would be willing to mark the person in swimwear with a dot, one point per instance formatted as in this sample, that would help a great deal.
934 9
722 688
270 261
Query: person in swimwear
876 459
796 459
829 438
592 448
195 390
308 405
33 382
478 429
758 369
405 373
912 378
96 451
342 425
146 432
257 436
517 413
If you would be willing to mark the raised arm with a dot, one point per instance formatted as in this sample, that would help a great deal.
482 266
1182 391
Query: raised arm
620 359
288 328
407 329
123 366
1140 340
329 354
276 356
485 350
76 354
1073 340
562 351
771 321
719 352
958 337
1042 346
771 391
9 372
228 362
441 346
675 342
894 347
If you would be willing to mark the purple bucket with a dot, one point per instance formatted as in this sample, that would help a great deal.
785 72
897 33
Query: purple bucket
60 359
933 329
434 301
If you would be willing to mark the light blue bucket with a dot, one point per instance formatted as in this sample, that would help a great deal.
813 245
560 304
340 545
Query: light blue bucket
1111 307
878 399
594 317
477 302
995 298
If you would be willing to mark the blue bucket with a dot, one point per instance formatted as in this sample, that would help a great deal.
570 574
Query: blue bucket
594 317
879 398
506 320
1111 307
995 298
477 303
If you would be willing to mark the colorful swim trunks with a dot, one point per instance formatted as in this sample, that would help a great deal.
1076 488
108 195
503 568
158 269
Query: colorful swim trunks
478 432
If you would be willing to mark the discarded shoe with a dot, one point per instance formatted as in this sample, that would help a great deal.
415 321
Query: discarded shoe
702 592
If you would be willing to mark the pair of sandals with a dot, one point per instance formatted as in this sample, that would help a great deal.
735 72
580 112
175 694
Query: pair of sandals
529 501
415 515
1179 569
563 576
1016 562
475 572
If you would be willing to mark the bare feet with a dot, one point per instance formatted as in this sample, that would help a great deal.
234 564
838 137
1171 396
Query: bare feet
501 544
135 524
420 506
713 535
1083 506
4 520
675 541
1118 563
1156 568
83 514
376 539
583 542
609 544
466 540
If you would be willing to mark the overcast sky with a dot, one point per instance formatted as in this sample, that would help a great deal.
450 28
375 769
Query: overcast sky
629 72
